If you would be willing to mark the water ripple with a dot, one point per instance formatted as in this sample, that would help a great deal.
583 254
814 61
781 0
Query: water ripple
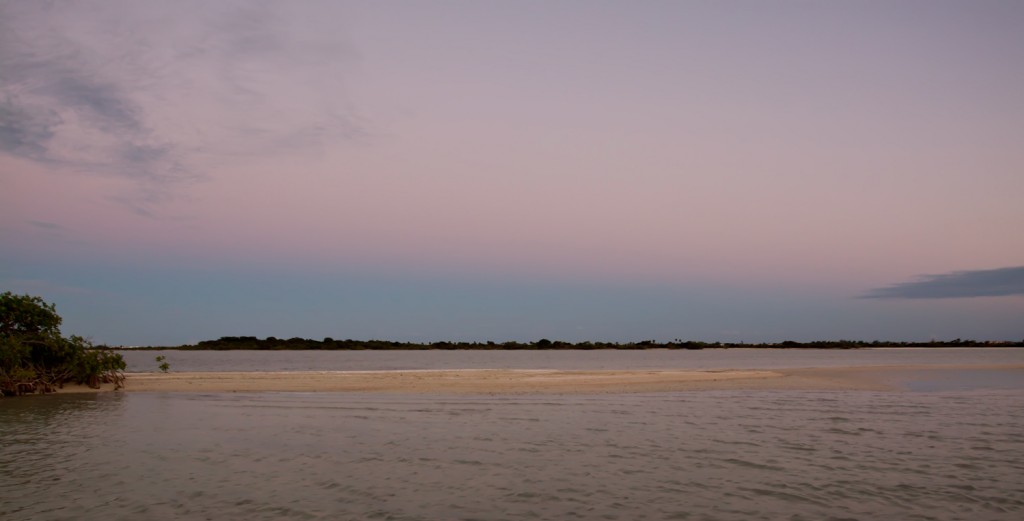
705 455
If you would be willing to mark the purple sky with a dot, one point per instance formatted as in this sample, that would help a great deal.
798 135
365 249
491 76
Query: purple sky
175 171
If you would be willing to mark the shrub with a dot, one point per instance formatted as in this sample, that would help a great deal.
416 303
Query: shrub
35 358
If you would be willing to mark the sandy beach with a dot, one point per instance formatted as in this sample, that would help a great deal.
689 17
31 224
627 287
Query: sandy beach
503 381
454 381
520 381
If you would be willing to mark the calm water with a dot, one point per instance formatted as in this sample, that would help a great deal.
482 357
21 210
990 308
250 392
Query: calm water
143 361
936 453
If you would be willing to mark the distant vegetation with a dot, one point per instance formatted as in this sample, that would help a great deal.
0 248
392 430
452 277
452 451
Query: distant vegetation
276 344
35 358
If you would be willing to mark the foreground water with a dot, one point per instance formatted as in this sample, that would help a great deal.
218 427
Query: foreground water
700 455
942 452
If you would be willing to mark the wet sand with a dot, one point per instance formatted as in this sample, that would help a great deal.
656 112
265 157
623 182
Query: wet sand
501 381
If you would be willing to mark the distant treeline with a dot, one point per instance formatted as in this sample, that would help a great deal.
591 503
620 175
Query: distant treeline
277 344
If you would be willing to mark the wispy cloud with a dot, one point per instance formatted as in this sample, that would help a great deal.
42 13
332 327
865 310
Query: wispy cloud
163 93
45 225
977 283
69 97
24 131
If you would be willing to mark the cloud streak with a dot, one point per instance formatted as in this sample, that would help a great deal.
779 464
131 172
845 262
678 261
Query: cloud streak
61 106
163 94
45 225
959 284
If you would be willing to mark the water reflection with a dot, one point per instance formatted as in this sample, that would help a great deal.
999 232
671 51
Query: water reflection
45 441
961 380
55 416
700 455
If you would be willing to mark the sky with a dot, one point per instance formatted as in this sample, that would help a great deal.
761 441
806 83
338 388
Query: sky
461 170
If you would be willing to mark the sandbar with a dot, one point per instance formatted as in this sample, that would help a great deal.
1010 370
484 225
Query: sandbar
517 381
524 381
446 381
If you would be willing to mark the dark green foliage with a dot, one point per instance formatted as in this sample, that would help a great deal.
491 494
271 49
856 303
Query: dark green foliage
295 343
23 314
35 358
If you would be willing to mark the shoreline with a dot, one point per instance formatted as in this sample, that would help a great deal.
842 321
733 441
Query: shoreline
534 381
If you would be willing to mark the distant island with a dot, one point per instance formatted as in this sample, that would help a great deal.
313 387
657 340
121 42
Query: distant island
329 344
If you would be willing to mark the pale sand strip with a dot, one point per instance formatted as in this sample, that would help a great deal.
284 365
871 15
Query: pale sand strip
506 381
451 381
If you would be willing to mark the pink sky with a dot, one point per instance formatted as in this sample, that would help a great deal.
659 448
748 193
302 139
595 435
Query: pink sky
829 148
